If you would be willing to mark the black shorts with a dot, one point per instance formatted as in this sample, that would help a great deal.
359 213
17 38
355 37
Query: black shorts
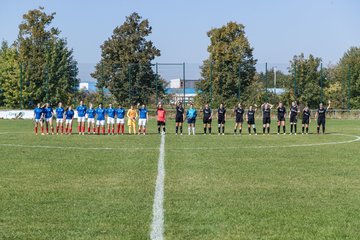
266 120
293 118
305 121
191 120
160 123
281 119
239 120
179 119
321 121
221 121
207 120
251 121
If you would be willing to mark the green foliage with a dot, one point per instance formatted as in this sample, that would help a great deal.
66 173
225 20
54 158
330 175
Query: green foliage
125 67
49 69
230 65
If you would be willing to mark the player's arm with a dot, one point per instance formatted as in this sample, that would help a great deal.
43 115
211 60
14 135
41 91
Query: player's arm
316 115
225 116
164 115
271 106
329 102
147 116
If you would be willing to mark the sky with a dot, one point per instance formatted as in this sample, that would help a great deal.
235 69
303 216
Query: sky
277 29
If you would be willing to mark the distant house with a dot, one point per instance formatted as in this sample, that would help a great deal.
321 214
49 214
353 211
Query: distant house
176 90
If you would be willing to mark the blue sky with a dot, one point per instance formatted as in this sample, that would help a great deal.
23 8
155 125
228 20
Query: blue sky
276 29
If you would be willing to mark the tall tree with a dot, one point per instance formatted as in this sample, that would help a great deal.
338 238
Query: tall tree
125 66
306 76
230 65
49 67
349 66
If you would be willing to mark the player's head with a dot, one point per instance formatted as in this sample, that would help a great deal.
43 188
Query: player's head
206 105
110 105
306 107
239 105
132 107
100 105
321 105
38 105
179 103
143 106
60 104
191 105
81 102
251 107
221 105
47 104
293 104
160 105
281 104
70 107
120 106
90 105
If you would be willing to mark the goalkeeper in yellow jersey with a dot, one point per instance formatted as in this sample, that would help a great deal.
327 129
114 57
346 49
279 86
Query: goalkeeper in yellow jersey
132 116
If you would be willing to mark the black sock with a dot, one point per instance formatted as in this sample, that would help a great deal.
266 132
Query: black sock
284 129
223 129
209 129
263 129
323 128
240 130
159 129
295 127
279 129
291 128
254 130
268 129
219 129
303 128
180 129
235 130
318 129
307 130
177 129
164 129
249 129
204 130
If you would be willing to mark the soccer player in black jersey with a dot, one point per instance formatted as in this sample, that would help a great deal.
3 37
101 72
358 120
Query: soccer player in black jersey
221 119
239 118
207 118
306 113
294 110
266 110
320 115
281 112
179 118
250 119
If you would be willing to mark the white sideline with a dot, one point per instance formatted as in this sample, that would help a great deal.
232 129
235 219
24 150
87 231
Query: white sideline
157 225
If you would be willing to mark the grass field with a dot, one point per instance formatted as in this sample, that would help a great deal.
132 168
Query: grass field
216 187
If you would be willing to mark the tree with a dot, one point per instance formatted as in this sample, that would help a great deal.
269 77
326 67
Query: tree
306 76
230 66
49 69
125 66
9 76
349 64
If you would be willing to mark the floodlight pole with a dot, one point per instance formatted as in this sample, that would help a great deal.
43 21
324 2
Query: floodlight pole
275 80
184 80
156 82
295 96
349 87
239 83
211 82
21 86
266 81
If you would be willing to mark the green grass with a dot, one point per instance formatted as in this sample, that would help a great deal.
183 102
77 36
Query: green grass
216 187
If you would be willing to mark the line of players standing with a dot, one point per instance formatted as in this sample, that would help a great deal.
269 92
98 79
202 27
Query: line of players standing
117 116
250 118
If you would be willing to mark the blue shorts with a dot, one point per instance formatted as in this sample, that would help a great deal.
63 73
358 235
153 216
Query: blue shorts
191 120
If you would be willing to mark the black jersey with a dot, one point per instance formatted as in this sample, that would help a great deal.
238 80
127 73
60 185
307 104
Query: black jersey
207 113
239 112
321 112
266 112
221 113
179 111
251 115
294 110
306 114
281 111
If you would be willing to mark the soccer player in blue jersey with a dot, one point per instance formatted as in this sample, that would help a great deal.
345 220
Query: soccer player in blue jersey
69 116
49 113
120 119
110 113
143 118
81 111
60 118
38 118
100 119
191 114
90 112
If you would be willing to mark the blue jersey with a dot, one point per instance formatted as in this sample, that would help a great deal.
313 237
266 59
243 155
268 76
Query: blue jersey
81 110
191 113
38 112
110 112
60 112
48 112
91 113
100 112
120 113
69 114
143 113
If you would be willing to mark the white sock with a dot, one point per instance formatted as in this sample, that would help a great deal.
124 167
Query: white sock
189 130
193 130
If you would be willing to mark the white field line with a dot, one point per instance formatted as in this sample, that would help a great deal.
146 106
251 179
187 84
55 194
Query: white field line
356 139
157 225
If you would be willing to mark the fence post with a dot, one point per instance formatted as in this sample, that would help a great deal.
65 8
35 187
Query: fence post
239 83
321 82
156 82
266 82
295 95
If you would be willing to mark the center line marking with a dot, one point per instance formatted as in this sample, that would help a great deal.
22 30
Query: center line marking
157 225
